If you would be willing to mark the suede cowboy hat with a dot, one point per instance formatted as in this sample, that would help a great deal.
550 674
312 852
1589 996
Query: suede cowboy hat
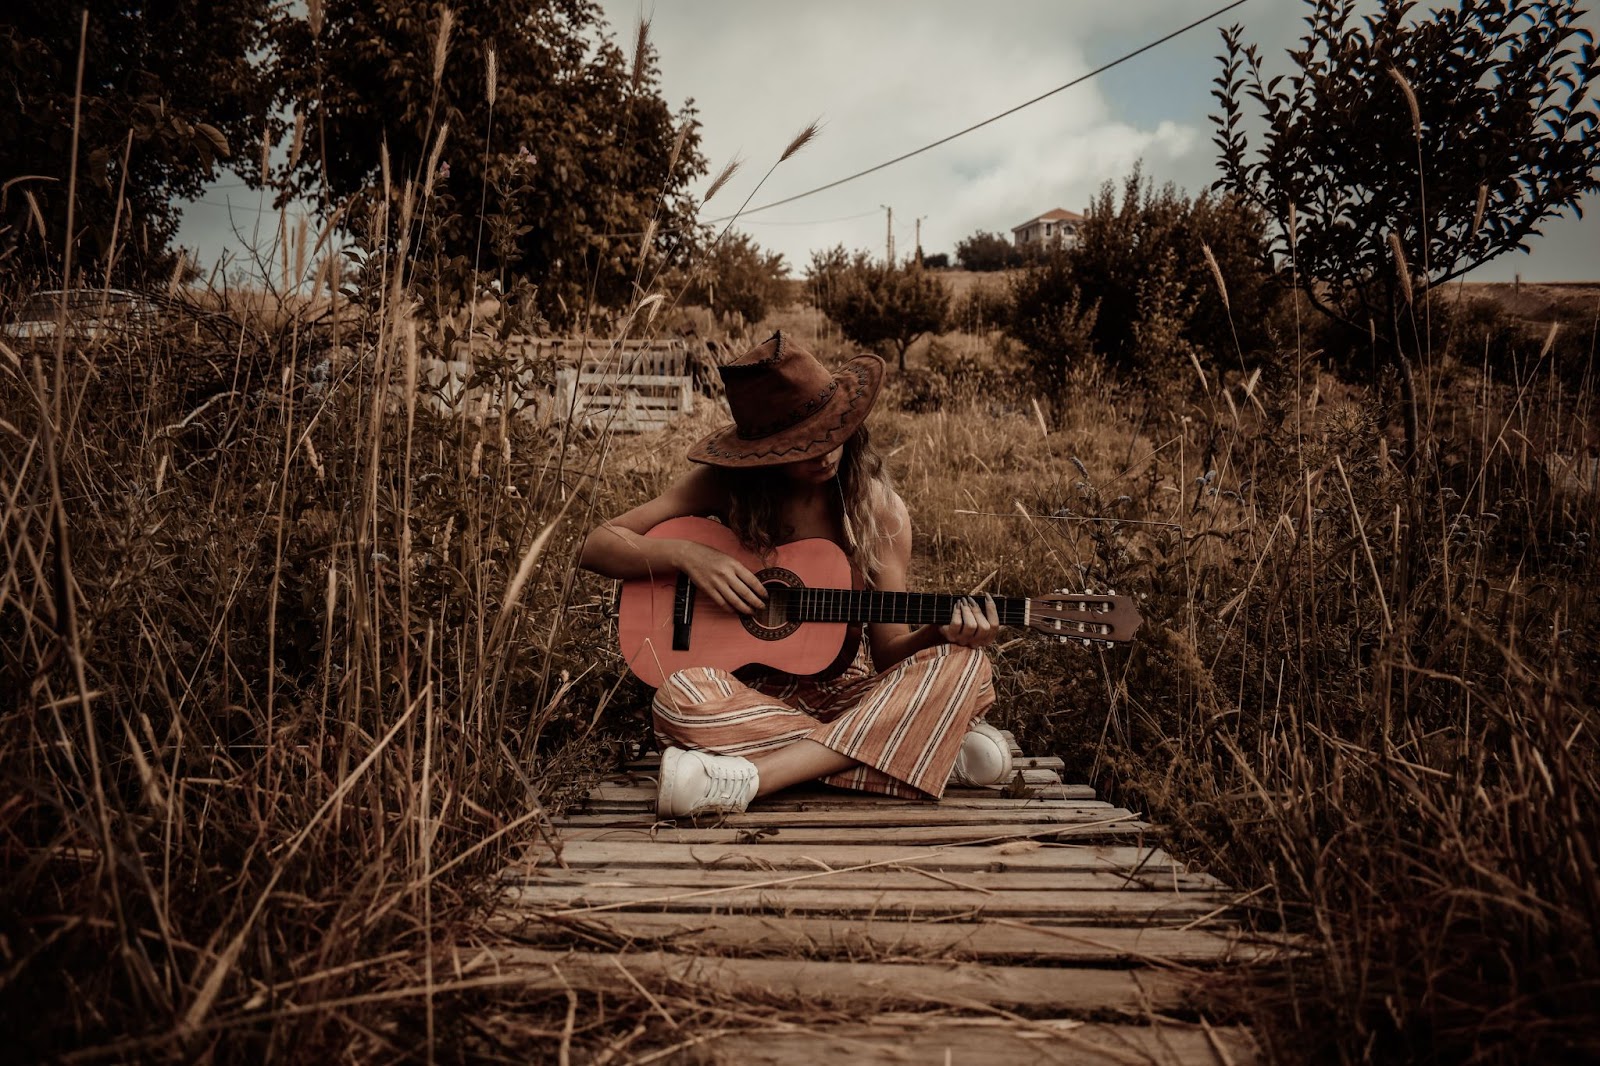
787 406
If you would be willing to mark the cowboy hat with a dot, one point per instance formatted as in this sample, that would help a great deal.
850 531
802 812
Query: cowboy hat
787 406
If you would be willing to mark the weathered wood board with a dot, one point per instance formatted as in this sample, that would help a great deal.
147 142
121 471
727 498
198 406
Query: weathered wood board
1033 923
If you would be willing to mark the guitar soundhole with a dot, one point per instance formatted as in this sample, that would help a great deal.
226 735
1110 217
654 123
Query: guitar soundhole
772 622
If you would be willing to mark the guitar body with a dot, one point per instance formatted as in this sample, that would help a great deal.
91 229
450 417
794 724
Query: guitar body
654 614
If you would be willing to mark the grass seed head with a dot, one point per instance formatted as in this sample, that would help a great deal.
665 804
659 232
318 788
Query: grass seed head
1411 101
441 43
1216 274
801 139
1402 271
641 52
722 178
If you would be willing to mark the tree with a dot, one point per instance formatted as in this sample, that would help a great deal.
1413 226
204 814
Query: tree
876 304
734 274
987 251
1146 255
585 167
1447 139
168 90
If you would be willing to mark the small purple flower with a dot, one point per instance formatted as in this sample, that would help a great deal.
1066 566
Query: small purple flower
444 171
525 157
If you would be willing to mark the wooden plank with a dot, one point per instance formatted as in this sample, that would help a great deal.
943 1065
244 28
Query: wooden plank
916 834
1062 1042
580 854
859 984
879 879
1144 905
614 798
1036 940
877 817
1043 777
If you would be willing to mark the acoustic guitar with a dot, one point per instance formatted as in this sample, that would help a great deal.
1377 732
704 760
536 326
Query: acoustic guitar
812 612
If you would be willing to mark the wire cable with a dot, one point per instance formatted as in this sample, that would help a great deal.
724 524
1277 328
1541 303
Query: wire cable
988 121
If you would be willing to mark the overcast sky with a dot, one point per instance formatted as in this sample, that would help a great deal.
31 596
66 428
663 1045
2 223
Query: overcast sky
887 76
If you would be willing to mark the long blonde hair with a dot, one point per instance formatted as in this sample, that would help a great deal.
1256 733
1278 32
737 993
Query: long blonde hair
756 494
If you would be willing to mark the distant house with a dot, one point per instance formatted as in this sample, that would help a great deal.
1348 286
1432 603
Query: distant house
1053 227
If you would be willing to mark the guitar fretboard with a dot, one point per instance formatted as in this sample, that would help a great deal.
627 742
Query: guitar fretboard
912 608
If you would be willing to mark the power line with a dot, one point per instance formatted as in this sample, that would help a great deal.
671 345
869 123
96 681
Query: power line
988 121
812 222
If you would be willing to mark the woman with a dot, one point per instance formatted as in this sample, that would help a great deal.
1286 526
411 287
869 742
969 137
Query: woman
798 463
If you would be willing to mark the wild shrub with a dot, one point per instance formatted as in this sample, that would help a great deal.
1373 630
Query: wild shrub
877 305
984 251
734 276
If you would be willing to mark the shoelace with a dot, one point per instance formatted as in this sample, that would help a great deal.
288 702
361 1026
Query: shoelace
727 784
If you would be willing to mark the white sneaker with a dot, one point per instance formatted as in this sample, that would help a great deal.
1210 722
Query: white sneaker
985 758
693 782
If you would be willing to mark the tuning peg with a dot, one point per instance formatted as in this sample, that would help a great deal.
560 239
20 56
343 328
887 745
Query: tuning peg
1062 640
1087 642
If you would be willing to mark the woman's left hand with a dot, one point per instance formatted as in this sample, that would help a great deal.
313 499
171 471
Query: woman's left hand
972 625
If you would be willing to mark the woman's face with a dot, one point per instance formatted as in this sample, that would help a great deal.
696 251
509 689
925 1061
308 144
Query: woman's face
816 471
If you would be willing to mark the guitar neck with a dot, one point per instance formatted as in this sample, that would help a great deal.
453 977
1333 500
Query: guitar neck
912 608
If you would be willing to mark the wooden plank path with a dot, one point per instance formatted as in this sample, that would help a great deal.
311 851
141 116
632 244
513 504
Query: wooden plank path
1030 924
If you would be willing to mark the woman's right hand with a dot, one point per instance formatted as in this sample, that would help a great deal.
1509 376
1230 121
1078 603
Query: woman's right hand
722 577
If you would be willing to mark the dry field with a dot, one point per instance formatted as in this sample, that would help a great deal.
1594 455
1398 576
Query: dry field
291 665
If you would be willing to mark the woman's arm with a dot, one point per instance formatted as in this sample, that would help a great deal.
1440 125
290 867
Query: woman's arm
619 549
971 625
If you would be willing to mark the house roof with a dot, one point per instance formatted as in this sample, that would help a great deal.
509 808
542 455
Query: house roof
1059 214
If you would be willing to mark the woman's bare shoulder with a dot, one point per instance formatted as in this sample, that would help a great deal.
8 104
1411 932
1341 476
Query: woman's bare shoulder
894 518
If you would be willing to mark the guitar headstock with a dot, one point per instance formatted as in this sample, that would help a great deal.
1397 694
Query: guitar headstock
1085 616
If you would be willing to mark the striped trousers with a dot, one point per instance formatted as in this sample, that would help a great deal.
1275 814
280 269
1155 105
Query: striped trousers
903 727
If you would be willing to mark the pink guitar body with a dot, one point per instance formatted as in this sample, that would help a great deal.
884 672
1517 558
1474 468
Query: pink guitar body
650 610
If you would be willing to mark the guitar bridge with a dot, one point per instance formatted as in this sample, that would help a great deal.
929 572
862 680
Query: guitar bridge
682 613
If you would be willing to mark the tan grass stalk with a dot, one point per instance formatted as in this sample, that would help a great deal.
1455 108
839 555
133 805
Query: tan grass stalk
314 17
1477 213
433 161
34 212
1216 275
641 49
491 76
441 43
297 141
1366 546
728 171
1411 101
677 149
1402 271
801 139
1194 361
1549 340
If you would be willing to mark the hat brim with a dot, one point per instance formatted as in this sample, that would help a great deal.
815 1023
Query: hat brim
818 434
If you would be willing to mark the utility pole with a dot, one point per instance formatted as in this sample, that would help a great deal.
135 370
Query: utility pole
888 236
919 240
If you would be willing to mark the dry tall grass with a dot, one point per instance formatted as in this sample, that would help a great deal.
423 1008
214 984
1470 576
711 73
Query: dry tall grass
290 664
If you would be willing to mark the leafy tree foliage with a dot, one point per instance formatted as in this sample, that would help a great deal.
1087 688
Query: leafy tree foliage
876 304
987 251
577 156
1455 134
1137 288
169 90
937 261
735 275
